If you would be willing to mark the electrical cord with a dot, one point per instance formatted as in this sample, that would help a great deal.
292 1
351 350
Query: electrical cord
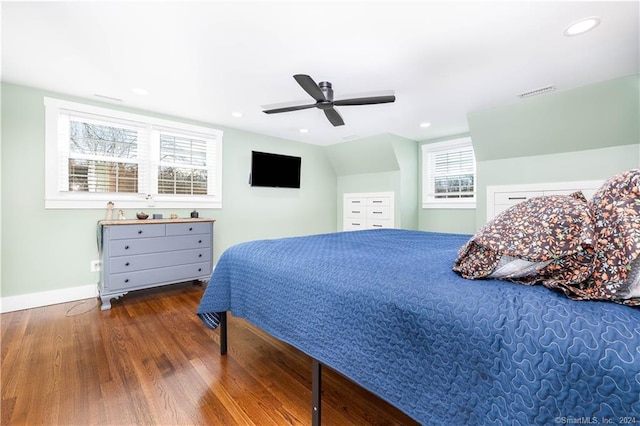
69 314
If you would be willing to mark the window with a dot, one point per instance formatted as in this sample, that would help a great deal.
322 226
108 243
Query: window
95 155
449 174
183 165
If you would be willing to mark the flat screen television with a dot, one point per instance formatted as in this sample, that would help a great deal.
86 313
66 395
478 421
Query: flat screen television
275 170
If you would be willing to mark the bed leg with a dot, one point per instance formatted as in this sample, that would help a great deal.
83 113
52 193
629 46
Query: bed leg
316 388
223 332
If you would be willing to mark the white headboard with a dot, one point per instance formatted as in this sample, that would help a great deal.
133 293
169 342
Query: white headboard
501 197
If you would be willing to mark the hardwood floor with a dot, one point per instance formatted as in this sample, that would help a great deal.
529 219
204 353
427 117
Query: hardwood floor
150 360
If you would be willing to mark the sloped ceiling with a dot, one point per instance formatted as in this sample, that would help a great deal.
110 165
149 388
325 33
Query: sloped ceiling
204 60
601 115
369 155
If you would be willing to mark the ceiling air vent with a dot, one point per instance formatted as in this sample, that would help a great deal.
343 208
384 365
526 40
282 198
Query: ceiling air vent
350 137
537 92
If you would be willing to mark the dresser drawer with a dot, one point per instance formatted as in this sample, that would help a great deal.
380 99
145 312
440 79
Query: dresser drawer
140 262
378 212
380 223
512 198
140 279
499 208
355 202
356 212
378 201
136 231
157 245
188 228
352 225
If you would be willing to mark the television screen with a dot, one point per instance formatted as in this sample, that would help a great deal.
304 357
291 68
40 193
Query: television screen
275 170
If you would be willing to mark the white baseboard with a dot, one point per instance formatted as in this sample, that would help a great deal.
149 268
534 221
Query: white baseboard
45 298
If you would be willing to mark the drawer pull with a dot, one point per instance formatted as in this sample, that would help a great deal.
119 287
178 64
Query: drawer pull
355 211
377 226
517 198
377 201
200 255
126 280
356 202
127 264
126 247
199 241
377 212
199 269
140 231
355 224
190 229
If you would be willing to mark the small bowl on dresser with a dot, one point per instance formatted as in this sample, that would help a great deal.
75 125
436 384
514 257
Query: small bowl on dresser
142 215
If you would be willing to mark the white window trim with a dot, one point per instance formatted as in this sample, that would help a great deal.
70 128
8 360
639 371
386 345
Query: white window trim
429 202
56 199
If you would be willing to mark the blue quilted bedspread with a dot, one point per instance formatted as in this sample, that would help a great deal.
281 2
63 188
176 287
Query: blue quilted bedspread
384 308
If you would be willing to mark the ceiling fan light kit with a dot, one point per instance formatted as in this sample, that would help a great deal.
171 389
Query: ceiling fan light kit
322 93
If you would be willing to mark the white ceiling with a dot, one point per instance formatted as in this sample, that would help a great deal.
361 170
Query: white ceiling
205 60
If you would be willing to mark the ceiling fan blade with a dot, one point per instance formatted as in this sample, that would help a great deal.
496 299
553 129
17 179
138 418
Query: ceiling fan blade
334 117
287 109
310 87
366 101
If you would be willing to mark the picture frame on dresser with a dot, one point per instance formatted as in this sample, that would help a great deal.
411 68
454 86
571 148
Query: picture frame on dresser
140 254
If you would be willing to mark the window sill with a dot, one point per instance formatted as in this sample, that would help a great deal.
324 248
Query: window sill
465 206
75 204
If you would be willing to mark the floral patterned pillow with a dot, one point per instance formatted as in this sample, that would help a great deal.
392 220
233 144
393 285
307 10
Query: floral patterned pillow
547 239
616 210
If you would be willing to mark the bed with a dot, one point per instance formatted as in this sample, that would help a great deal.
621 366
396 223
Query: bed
384 308
535 319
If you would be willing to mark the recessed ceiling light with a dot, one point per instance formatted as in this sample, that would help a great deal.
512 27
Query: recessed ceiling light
425 125
582 26
304 130
236 114
140 91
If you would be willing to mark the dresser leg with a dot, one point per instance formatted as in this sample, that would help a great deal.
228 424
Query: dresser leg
106 303
106 300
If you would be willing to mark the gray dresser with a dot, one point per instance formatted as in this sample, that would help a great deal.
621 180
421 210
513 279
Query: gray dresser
139 254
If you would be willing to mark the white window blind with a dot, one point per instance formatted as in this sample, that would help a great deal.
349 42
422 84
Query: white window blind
449 174
95 155
100 155
183 164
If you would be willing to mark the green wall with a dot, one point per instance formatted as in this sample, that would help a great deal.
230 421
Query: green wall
590 117
586 133
408 159
594 164
383 163
52 249
362 156
457 221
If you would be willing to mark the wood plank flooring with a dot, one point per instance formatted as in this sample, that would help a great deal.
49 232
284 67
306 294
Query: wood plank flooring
149 360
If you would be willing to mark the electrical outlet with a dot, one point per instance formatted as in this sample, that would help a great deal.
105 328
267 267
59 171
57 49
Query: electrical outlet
96 266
